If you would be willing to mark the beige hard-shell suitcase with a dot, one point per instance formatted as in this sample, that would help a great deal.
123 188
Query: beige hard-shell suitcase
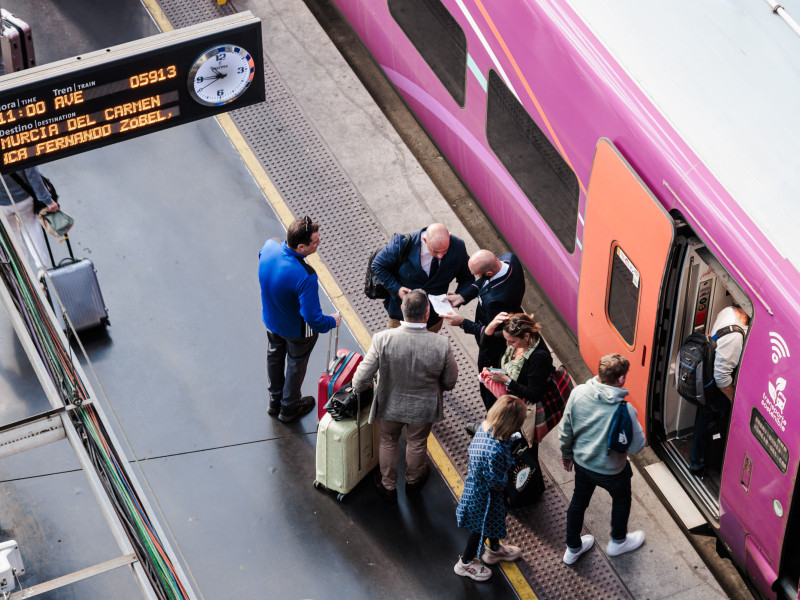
346 452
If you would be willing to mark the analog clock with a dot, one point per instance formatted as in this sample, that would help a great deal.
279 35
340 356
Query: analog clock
220 75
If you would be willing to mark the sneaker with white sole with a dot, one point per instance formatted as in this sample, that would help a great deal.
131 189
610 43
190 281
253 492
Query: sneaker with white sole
503 552
570 556
632 542
474 569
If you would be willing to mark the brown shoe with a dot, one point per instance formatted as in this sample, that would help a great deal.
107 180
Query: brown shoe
416 487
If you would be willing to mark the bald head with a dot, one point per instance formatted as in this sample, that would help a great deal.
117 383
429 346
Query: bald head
437 239
484 264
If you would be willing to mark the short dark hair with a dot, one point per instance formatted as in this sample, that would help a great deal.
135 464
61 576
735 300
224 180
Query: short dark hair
300 232
612 367
415 306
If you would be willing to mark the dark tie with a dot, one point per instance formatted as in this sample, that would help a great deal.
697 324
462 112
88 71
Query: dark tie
434 267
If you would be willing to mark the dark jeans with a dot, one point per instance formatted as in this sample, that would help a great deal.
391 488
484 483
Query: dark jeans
717 408
619 486
287 360
473 547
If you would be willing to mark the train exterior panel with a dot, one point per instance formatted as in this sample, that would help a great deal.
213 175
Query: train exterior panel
694 146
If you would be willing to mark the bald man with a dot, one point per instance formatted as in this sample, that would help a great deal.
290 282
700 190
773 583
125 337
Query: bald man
430 260
500 288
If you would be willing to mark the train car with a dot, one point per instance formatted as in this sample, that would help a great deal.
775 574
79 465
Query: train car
642 160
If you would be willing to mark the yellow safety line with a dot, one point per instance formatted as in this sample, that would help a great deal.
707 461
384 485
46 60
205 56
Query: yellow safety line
438 455
158 15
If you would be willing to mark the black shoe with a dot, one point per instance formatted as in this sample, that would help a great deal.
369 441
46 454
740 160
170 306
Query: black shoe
416 487
274 408
294 411
697 471
386 494
471 429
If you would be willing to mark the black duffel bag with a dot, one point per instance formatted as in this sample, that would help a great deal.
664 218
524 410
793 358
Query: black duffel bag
525 480
345 403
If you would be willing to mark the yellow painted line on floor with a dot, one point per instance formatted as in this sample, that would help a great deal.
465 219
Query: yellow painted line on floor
158 15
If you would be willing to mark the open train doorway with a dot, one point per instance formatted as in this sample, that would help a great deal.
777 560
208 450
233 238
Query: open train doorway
703 289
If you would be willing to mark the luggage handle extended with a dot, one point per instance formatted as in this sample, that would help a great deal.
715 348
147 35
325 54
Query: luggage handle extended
330 337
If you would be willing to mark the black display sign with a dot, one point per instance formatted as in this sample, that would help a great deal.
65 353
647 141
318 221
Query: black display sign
112 95
770 441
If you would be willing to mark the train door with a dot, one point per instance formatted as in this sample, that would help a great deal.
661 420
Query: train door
628 239
703 289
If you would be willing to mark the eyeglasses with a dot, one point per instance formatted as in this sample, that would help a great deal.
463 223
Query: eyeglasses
308 223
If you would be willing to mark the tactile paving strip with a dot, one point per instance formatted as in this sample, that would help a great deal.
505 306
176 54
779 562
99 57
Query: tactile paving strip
312 182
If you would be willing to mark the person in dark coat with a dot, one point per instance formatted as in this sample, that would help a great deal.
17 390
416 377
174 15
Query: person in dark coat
526 363
501 287
433 260
481 508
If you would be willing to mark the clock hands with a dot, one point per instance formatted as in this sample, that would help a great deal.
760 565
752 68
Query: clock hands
214 78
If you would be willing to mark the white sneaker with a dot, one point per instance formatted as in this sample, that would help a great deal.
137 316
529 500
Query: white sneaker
632 542
570 556
474 569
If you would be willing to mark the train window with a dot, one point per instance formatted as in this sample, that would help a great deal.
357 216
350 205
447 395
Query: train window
438 38
623 295
534 163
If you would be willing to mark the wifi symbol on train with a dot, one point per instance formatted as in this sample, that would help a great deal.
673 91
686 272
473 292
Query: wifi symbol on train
779 348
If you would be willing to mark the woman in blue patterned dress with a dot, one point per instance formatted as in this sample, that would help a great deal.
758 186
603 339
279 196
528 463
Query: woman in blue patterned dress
481 509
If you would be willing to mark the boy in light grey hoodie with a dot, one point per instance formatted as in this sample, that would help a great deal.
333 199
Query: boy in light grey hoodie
583 435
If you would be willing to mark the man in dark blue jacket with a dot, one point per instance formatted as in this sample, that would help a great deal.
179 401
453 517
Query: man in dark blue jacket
292 315
431 261
501 286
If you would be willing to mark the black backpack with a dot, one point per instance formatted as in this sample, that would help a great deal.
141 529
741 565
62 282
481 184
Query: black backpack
694 367
373 288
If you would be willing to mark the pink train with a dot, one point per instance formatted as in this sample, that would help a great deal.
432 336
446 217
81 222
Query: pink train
643 160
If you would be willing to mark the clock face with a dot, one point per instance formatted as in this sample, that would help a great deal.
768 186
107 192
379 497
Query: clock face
220 75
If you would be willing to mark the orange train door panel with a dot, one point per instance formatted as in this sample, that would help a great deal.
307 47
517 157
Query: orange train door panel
626 242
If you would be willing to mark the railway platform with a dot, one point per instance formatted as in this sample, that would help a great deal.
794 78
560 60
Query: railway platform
174 222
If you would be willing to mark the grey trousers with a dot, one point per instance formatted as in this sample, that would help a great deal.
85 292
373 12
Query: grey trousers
287 360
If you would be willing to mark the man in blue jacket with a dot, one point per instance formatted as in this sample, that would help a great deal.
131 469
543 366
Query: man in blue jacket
292 315
429 260
501 286
583 435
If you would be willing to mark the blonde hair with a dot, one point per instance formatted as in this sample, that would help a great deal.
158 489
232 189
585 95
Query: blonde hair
506 416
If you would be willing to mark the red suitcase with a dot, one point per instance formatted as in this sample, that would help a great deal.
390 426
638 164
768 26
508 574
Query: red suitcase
340 372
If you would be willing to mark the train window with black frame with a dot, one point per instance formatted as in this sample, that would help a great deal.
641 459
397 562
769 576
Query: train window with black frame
538 168
623 295
438 38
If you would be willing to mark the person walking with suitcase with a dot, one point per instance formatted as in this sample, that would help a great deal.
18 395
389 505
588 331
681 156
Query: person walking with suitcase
26 187
481 508
292 315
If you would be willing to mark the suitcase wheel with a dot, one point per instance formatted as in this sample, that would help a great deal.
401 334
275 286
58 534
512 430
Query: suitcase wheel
340 497
318 485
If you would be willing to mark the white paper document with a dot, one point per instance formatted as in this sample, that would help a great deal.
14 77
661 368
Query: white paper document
441 304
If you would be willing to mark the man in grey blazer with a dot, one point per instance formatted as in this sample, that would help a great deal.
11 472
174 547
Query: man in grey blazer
414 367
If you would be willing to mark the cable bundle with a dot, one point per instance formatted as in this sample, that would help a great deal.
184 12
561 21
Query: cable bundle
58 362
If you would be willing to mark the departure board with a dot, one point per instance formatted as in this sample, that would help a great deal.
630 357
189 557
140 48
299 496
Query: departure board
112 95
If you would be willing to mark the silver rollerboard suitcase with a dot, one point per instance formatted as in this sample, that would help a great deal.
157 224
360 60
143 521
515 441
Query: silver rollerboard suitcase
75 283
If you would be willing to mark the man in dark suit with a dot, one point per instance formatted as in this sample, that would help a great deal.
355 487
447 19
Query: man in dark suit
431 261
501 286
